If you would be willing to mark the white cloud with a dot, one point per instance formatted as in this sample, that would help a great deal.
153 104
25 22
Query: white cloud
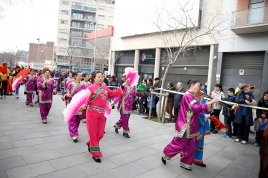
27 21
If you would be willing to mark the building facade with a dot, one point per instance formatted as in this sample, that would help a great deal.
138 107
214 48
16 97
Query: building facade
146 52
44 52
76 20
243 57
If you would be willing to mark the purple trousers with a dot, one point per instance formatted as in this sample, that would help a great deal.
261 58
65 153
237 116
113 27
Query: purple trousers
44 110
185 146
73 125
29 98
123 122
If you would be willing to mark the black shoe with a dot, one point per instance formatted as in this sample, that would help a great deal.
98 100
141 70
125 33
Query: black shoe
164 161
126 135
116 129
202 165
96 159
215 131
211 130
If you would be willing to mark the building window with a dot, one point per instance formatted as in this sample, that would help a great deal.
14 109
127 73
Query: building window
77 15
101 8
76 24
62 50
111 17
100 26
101 16
76 33
63 31
63 40
65 2
64 21
111 9
64 12
89 26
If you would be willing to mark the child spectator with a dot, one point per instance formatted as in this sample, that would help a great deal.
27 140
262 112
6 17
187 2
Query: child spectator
149 100
142 103
228 113
259 126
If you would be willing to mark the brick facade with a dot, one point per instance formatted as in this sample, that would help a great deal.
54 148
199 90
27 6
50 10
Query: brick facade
46 52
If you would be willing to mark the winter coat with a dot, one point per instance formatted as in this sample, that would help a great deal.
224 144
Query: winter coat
263 104
240 99
227 112
171 95
178 98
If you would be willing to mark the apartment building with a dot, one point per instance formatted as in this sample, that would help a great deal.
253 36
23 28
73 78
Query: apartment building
76 20
243 53
44 52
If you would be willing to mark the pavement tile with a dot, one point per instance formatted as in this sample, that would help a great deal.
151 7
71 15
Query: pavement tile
41 156
150 162
93 168
30 170
68 161
3 174
9 138
159 172
50 146
129 170
102 175
5 145
124 158
71 150
36 135
11 163
28 142
17 152
17 131
65 173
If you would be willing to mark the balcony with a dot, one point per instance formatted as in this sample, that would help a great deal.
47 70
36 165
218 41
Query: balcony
76 8
253 20
82 28
86 18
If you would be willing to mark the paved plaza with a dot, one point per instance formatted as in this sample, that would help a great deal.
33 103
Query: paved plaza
29 148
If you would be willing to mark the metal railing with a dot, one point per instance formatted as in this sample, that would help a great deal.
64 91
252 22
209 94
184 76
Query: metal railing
83 8
250 16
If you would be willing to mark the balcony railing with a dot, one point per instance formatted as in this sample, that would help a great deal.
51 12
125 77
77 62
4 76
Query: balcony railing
83 8
250 16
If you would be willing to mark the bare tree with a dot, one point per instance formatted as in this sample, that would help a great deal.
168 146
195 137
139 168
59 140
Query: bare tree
8 57
102 59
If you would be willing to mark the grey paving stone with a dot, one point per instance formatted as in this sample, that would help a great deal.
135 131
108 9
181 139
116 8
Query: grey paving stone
210 171
174 166
36 135
150 162
9 138
218 161
11 163
28 142
57 138
71 150
41 156
145 151
93 168
3 174
118 149
159 172
50 146
27 126
17 131
30 170
65 173
5 145
124 158
17 152
6 127
128 170
68 161
102 175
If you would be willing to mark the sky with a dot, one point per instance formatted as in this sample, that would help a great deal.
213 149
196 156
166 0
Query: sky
26 21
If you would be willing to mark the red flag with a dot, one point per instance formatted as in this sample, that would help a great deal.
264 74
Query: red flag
218 124
3 69
23 73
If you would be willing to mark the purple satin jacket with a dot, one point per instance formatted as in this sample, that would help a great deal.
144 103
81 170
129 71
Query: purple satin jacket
126 101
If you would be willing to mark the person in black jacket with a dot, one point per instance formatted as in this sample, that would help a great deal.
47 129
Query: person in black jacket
177 100
228 113
262 103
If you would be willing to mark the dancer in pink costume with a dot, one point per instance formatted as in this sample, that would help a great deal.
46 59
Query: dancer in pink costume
72 89
187 127
46 89
30 86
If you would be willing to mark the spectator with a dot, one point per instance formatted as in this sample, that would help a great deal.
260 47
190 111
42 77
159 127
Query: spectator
260 125
4 82
177 100
170 101
216 94
149 100
157 85
113 81
144 82
238 88
228 113
206 87
243 115
262 103
254 102
149 83
143 103
264 155
105 80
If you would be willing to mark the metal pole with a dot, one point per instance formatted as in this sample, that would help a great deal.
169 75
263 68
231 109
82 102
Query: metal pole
38 39
94 59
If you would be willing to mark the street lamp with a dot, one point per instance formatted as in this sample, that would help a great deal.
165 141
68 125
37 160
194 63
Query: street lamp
38 39
96 31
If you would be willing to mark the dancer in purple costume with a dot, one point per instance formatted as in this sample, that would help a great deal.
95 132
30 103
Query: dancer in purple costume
73 88
125 108
187 127
66 81
30 87
46 89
